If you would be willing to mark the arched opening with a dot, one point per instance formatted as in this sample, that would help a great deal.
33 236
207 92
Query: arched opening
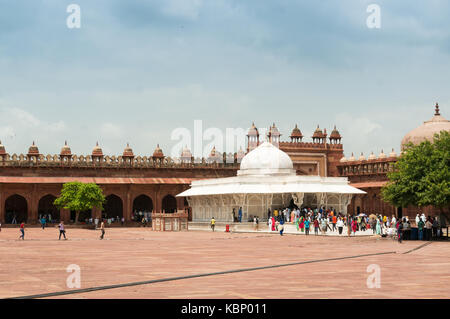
47 209
142 207
83 217
16 209
292 204
169 204
113 207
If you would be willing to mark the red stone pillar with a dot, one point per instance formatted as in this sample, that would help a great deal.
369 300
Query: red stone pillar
64 215
2 206
128 207
157 203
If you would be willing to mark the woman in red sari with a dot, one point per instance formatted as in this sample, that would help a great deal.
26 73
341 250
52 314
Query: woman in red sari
302 224
273 224
354 226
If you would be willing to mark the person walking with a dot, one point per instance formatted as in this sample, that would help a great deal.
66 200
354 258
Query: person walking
428 227
316 226
257 223
378 227
354 226
123 221
334 221
399 231
302 224
340 225
269 222
43 222
307 227
213 223
22 231
102 228
420 226
435 227
62 230
405 229
240 214
281 227
324 225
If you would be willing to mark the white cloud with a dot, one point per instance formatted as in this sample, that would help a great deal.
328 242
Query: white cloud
18 128
188 9
110 130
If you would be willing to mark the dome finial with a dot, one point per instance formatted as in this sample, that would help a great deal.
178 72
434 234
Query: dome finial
436 111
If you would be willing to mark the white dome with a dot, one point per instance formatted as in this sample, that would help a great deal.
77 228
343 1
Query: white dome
266 159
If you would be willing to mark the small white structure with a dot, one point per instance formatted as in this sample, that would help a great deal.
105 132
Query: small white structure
266 179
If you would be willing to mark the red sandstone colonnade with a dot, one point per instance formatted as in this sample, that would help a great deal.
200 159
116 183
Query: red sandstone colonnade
27 201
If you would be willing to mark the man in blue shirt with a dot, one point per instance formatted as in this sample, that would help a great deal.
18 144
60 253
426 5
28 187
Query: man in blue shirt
43 222
240 214
307 227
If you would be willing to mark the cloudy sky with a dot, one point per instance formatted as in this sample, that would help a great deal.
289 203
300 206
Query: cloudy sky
137 70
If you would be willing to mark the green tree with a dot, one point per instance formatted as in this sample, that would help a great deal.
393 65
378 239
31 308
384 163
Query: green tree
77 196
421 176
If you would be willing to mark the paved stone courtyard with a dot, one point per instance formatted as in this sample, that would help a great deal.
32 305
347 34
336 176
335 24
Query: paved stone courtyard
38 264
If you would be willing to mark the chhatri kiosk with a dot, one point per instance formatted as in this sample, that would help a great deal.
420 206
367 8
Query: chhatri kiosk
266 180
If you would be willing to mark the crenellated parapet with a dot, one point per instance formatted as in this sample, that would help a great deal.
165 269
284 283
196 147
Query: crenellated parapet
370 166
74 160
310 145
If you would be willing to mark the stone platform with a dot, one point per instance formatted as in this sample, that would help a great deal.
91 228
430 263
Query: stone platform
39 264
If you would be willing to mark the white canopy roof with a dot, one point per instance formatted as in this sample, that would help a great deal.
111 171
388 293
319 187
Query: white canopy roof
268 170
271 185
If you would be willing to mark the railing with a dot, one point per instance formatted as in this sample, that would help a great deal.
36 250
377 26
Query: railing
170 221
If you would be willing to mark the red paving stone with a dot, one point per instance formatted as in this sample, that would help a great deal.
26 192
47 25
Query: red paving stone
38 265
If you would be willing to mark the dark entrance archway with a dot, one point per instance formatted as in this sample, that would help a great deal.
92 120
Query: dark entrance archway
16 209
169 204
83 217
142 207
113 207
399 212
143 203
48 209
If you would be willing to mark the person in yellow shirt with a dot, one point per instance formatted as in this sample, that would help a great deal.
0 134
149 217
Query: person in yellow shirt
213 223
275 212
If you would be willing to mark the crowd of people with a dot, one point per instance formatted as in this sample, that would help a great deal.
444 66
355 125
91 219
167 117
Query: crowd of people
144 217
323 220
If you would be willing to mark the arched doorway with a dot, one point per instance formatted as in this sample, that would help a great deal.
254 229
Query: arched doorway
142 207
83 217
113 207
48 209
16 209
169 204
